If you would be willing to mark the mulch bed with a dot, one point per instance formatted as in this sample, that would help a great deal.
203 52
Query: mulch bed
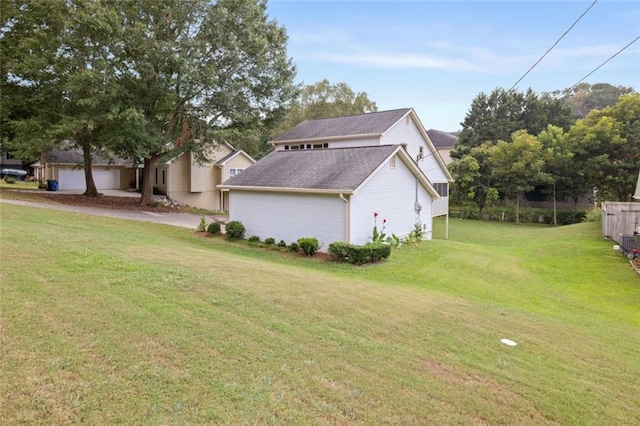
107 202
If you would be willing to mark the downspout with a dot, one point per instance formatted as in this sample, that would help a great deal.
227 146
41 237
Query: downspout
347 219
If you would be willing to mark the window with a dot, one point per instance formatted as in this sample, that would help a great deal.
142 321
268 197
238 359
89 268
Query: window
307 146
163 174
442 189
392 162
234 172
156 181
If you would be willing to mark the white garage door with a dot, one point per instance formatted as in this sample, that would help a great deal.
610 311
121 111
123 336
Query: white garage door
74 179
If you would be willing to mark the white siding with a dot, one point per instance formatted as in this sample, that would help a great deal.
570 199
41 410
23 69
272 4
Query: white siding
289 216
409 134
392 194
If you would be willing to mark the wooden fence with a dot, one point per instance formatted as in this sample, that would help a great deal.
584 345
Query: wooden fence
620 218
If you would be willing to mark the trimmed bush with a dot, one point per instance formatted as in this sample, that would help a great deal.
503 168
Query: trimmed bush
282 244
359 255
214 228
235 230
339 250
254 239
309 245
270 241
294 247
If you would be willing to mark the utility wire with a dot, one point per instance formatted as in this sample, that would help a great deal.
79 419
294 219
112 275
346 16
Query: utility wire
603 64
554 44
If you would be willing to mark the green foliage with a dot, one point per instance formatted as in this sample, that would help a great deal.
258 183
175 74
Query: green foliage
254 239
10 179
527 215
270 241
294 247
282 244
309 245
359 254
235 230
214 228
415 236
324 100
202 226
586 97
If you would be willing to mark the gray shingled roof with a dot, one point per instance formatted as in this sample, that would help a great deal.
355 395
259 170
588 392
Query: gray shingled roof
322 169
442 139
75 156
362 124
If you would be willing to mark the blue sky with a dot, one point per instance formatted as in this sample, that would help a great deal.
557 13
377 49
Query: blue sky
437 56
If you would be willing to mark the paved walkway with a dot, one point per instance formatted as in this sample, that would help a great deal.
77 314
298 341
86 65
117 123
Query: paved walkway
185 220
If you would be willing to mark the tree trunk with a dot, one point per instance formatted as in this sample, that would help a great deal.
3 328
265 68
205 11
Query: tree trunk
555 211
147 182
91 190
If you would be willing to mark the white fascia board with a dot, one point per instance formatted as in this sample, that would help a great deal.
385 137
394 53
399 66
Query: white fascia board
284 189
327 139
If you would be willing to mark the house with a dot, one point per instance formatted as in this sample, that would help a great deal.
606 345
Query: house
327 178
444 143
184 178
195 182
66 166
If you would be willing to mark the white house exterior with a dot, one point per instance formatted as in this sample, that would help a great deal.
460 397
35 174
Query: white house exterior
332 194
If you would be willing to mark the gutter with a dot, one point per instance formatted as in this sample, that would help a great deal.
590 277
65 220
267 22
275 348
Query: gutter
347 219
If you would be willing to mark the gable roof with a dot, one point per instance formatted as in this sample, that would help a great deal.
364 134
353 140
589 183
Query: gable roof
337 170
442 139
221 162
371 123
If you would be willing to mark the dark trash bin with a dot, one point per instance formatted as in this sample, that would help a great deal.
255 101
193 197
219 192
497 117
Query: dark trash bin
52 185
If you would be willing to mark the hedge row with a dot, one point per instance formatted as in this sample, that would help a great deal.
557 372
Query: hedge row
359 254
501 214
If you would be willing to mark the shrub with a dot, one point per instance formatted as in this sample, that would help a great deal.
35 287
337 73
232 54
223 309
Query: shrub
339 250
270 241
254 239
235 230
214 228
10 179
294 247
202 226
282 244
309 245
359 255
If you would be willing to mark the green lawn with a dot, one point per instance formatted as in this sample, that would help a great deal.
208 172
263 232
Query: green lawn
106 321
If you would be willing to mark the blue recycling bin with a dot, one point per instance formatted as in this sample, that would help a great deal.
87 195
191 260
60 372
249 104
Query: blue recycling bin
52 185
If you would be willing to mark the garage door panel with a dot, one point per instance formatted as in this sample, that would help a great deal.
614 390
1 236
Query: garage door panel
70 180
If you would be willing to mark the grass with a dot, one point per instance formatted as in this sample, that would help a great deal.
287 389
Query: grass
108 321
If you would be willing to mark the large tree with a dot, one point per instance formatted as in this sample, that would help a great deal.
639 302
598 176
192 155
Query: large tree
585 97
324 100
518 166
496 116
473 178
197 72
59 82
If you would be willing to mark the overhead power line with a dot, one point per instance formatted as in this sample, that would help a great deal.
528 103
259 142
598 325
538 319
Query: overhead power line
554 44
603 64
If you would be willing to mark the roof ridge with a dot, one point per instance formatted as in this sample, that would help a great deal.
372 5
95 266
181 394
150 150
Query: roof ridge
356 115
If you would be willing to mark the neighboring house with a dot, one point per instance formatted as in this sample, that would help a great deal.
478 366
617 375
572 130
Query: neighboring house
444 143
66 166
328 177
195 182
636 195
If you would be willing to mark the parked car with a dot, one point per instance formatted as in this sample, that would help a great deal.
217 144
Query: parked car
17 173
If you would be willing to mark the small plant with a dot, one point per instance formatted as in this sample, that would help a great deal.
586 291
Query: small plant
378 236
254 239
42 185
202 226
294 247
309 245
9 179
282 244
214 228
416 235
235 230
270 241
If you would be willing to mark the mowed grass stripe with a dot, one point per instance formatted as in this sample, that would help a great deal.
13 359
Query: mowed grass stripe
109 321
